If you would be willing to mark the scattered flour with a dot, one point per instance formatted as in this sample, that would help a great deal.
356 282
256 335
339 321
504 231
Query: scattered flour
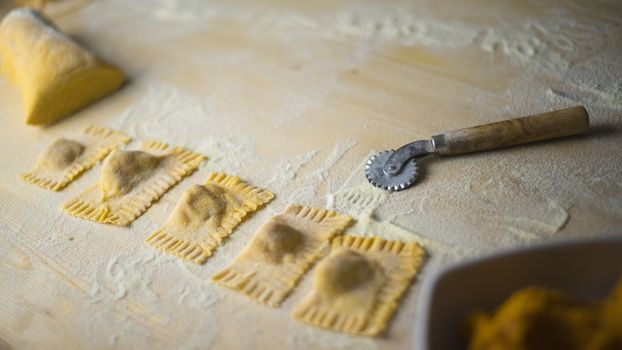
322 172
173 10
460 208
362 201
288 168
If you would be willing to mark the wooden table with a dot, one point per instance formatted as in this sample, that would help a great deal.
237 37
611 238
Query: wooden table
294 98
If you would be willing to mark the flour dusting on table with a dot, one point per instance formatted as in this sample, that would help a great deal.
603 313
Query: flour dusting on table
293 99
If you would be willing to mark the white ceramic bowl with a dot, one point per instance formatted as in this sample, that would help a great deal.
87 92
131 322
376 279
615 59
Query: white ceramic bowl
585 269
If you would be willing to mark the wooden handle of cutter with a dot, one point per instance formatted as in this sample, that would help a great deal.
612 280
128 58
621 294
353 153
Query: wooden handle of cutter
564 122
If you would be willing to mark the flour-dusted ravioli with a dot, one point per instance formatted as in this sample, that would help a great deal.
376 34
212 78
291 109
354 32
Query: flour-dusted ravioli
281 251
206 215
357 288
66 159
131 181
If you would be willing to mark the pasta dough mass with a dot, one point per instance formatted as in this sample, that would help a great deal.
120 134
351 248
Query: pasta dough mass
54 74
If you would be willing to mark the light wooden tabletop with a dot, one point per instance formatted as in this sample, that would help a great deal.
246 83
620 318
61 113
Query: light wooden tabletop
293 97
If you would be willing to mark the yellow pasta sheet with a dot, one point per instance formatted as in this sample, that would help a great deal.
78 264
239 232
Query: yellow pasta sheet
65 159
357 287
206 215
131 181
281 252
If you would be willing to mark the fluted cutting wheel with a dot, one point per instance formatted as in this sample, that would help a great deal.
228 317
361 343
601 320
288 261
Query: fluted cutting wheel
378 177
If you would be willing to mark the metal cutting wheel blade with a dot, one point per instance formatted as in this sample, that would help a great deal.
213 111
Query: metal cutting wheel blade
374 171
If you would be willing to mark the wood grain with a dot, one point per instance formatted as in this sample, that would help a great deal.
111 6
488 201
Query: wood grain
293 97
545 126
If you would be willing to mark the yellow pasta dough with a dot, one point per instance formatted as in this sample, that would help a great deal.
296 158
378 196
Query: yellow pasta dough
356 289
54 74
282 250
65 159
131 181
206 215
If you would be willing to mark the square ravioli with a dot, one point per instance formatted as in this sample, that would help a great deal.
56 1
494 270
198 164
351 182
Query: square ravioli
357 287
65 159
281 251
205 215
131 181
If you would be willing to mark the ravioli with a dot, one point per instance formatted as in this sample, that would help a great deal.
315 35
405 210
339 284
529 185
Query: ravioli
66 159
131 181
55 75
281 252
357 288
206 215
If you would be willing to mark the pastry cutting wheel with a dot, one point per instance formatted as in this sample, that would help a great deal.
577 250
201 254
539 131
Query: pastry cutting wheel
397 170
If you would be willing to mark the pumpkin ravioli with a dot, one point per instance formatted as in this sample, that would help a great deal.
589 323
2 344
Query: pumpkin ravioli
65 159
281 251
131 181
357 287
206 215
